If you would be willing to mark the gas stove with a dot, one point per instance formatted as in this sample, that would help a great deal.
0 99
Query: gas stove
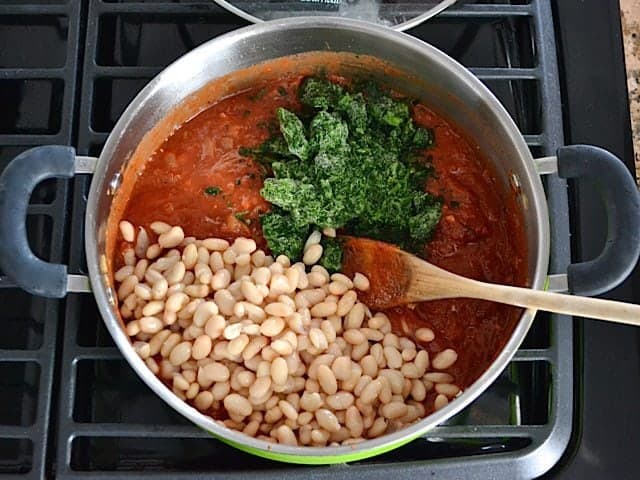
70 406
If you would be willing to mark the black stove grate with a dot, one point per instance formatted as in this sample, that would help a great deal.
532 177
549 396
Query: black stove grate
38 67
109 425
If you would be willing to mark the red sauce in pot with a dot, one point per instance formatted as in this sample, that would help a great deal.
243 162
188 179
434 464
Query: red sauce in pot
198 180
480 236
203 154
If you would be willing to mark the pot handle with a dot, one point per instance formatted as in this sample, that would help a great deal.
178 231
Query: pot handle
622 203
17 182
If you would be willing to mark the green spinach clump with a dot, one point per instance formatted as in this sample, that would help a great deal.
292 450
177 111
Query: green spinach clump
351 160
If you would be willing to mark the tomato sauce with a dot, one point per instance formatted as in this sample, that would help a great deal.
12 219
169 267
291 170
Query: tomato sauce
198 180
480 236
202 156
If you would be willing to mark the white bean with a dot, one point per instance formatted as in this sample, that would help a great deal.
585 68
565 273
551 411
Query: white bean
238 405
425 335
225 301
127 286
221 279
278 309
153 308
346 303
127 231
215 244
129 256
444 359
361 282
244 245
180 353
251 292
160 227
279 371
142 243
447 389
313 239
172 238
327 420
312 254
440 401
123 273
153 251
150 324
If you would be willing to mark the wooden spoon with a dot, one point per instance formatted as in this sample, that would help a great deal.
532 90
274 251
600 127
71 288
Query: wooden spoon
397 278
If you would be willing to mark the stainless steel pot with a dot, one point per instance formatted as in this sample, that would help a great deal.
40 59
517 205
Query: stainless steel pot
427 73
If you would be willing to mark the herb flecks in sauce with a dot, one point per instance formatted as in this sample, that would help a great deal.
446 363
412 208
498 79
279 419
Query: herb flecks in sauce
212 191
351 160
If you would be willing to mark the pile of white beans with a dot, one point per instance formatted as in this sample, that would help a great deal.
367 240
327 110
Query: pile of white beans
285 353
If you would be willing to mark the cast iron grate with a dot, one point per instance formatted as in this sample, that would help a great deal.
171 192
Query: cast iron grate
109 425
38 66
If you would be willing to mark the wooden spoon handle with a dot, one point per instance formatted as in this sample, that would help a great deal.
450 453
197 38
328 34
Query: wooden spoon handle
610 310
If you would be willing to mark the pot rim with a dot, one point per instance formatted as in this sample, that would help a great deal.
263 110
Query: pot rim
400 27
303 454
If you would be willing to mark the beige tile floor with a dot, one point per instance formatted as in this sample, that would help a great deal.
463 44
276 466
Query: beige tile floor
630 13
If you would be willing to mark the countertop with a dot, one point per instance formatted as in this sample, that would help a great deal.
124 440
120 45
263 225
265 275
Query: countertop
630 14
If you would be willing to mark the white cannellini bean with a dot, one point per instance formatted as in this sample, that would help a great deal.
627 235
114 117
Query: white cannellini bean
279 284
127 286
215 326
142 349
221 279
243 245
153 308
279 371
215 244
159 289
251 292
361 282
232 331
141 268
425 335
272 326
204 311
440 401
153 251
160 227
232 322
127 230
123 273
175 273
261 275
129 256
444 359
201 347
176 301
238 344
180 353
235 403
150 324
278 309
216 262
346 303
313 239
312 254
225 301
327 420
329 232
142 243
172 238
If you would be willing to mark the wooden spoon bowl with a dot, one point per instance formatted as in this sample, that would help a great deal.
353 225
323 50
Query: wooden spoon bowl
398 278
